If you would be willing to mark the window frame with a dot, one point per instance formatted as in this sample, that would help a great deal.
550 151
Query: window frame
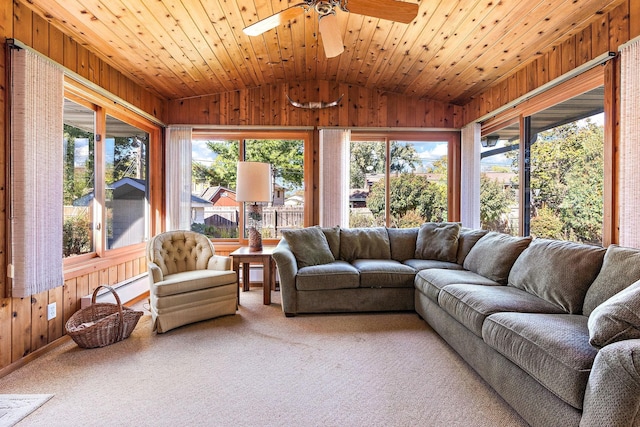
585 82
452 137
102 106
251 134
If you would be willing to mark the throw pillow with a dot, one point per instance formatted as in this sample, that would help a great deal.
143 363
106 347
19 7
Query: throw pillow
333 239
402 242
621 267
557 271
616 319
468 238
309 246
494 254
438 241
364 243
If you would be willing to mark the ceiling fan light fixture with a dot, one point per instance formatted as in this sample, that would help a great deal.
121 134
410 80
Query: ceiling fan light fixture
331 37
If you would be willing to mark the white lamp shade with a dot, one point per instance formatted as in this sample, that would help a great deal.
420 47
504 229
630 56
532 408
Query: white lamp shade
254 182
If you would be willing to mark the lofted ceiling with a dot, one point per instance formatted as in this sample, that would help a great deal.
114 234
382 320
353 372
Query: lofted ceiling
451 52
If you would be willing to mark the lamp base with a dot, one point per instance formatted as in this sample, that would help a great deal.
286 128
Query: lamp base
255 240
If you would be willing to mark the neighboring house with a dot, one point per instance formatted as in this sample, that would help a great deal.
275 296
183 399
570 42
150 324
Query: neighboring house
198 206
222 208
127 206
294 201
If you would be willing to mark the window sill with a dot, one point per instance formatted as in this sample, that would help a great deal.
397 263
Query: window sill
73 268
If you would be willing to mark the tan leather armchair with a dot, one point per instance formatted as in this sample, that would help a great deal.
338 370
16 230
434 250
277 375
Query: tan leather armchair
188 281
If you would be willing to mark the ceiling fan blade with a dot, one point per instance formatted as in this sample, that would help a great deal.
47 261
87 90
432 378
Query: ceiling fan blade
331 37
274 20
391 10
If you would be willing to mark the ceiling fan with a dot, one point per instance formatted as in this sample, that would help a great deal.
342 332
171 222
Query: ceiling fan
391 10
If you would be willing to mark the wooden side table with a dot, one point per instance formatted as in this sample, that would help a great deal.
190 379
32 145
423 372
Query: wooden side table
242 256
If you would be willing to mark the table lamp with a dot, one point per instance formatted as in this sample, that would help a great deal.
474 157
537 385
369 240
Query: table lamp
254 185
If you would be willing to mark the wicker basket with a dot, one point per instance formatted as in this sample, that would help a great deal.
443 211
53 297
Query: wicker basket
102 324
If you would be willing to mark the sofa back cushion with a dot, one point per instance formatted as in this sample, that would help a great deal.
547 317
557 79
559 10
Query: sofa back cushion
557 271
333 239
309 246
620 268
438 241
494 254
364 243
467 239
402 242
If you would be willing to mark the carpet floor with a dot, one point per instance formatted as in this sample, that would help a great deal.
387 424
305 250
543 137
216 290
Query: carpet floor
259 368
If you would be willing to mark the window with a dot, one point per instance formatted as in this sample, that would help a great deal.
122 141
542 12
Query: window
78 178
566 182
106 178
214 210
499 166
559 193
125 184
406 191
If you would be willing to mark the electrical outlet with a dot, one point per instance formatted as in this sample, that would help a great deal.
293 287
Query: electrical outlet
51 311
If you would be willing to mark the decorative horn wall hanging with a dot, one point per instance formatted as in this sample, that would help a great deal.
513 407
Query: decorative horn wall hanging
315 105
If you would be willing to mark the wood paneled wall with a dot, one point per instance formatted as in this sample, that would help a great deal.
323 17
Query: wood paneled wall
605 33
360 107
24 327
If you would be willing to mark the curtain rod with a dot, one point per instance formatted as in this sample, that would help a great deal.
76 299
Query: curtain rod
555 82
16 44
389 129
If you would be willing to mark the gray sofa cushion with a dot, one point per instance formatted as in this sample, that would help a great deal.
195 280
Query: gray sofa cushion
616 319
467 239
620 268
431 281
309 245
471 304
494 254
559 272
552 348
438 240
364 243
423 264
402 242
336 275
384 273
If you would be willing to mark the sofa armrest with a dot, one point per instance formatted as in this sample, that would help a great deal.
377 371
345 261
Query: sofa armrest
155 273
287 269
220 262
612 396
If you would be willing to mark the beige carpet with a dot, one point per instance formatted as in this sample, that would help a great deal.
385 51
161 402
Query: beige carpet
259 368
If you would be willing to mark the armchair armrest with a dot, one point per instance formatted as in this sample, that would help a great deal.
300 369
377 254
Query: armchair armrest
220 262
612 396
155 273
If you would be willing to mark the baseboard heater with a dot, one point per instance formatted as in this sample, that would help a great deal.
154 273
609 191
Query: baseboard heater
127 290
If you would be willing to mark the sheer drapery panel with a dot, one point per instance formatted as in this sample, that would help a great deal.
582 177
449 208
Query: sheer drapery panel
470 176
36 217
334 177
178 178
629 184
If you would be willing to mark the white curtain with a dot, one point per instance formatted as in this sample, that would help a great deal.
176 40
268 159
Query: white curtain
470 176
36 218
334 177
629 182
178 177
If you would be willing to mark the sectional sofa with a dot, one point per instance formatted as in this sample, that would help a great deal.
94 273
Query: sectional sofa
552 326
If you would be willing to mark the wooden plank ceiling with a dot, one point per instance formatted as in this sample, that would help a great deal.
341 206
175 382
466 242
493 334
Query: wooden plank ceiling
451 52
